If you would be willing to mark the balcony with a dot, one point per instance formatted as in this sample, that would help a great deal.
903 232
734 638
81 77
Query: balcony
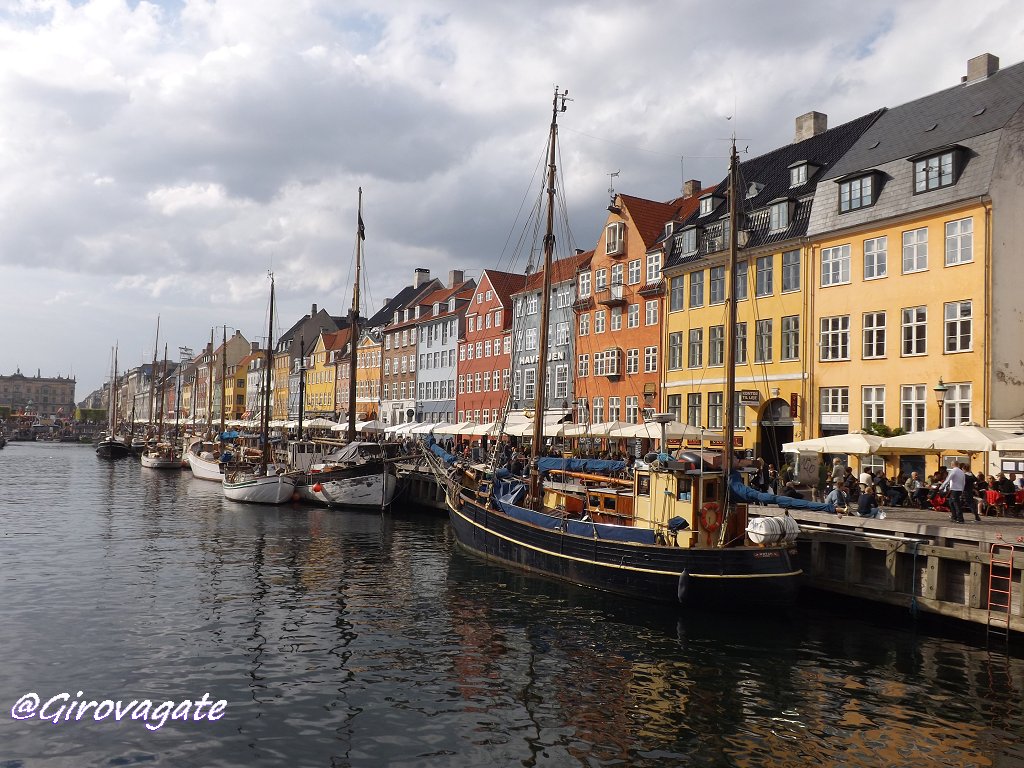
614 296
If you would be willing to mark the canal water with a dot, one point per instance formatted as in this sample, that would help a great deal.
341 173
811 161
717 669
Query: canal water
352 639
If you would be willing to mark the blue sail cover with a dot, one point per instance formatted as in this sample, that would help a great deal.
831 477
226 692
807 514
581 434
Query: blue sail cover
579 465
738 490
442 454
578 527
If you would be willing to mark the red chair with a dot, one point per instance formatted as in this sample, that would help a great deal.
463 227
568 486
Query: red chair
994 500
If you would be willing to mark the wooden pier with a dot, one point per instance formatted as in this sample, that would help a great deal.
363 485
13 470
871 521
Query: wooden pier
918 559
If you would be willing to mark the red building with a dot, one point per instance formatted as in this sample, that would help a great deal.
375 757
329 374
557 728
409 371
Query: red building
485 370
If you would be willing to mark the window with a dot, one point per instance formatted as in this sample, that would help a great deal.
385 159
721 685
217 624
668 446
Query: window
778 216
677 289
651 314
650 359
956 408
531 339
504 379
912 407
487 321
614 408
915 250
763 276
716 345
561 334
835 265
872 401
692 407
915 331
707 205
688 240
856 193
600 280
653 267
615 238
798 175
582 411
790 271
487 348
874 335
583 366
835 405
933 172
599 318
598 410
634 272
490 295
599 363
696 289
516 381
462 384
741 343
633 360
716 286
763 341
740 288
675 406
584 283
695 348
585 324
958 326
633 316
529 384
616 318
561 381
617 274
835 338
632 409
714 410
532 304
959 242
508 344
675 351
875 251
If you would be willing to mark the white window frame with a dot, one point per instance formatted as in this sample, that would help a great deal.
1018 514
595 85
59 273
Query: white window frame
615 238
716 346
915 250
959 242
835 405
651 312
763 341
790 271
650 359
695 348
764 276
633 360
584 284
654 267
914 331
873 335
583 365
633 316
696 294
835 265
789 337
872 405
958 322
956 407
716 286
913 407
599 321
835 338
633 274
876 256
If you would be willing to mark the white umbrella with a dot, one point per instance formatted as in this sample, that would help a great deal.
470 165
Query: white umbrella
970 438
855 443
596 430
454 429
674 430
374 425
427 427
320 423
491 429
553 427
1011 444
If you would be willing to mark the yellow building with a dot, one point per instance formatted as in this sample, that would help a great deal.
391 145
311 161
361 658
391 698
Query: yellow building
368 373
322 372
235 388
774 273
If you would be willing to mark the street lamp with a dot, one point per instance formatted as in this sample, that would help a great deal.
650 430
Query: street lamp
940 390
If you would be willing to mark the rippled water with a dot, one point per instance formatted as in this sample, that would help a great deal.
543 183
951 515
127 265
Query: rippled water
351 639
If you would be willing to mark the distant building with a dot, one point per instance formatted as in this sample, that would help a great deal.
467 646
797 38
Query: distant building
38 394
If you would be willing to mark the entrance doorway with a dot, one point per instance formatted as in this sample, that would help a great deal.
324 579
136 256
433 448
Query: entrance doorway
775 428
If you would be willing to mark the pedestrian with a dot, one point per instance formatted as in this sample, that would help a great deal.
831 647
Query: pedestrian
954 483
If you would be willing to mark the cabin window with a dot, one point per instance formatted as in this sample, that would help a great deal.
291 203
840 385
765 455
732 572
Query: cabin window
643 484
595 502
684 489
609 502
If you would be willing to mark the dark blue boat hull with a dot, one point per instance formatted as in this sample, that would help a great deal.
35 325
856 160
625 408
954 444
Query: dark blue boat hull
730 578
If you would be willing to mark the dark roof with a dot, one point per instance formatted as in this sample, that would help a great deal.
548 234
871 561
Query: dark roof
771 172
406 297
962 112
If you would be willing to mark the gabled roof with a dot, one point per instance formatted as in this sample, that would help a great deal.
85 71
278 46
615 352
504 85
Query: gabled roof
504 283
562 270
462 290
649 217
955 114
408 296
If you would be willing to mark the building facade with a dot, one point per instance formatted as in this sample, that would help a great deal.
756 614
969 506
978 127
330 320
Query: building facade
442 322
45 396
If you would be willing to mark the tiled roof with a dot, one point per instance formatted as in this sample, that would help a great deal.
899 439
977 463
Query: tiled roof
962 112
463 290
562 270
649 217
505 283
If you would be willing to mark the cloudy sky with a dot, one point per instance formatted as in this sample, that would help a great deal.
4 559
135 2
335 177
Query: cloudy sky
161 157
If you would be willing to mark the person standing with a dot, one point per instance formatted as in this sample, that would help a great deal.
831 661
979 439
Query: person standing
954 483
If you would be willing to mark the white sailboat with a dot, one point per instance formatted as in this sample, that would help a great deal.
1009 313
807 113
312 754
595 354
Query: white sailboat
263 483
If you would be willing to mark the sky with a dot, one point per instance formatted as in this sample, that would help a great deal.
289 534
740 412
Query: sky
160 158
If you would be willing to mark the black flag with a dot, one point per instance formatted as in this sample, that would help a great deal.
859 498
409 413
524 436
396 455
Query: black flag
362 229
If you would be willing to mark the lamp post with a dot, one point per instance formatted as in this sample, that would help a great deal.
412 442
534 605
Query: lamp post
940 390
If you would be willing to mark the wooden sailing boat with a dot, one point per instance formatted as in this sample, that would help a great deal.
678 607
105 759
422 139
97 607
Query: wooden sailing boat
160 454
664 535
110 447
262 484
357 475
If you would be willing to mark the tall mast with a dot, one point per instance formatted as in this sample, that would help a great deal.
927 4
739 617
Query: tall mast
354 324
163 381
302 380
557 105
152 376
114 393
265 416
223 378
110 399
730 327
209 387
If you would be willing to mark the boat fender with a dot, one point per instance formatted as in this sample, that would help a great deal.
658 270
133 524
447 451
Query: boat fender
317 488
684 584
710 516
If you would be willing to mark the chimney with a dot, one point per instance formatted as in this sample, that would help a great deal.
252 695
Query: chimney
420 277
691 187
386 302
981 67
312 312
455 277
810 125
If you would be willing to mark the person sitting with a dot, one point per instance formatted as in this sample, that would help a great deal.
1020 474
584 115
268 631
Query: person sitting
837 498
789 489
916 490
867 504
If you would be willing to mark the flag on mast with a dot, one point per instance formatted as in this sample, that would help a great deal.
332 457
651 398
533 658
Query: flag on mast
362 229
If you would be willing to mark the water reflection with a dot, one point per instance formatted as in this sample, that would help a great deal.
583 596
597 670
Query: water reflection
355 639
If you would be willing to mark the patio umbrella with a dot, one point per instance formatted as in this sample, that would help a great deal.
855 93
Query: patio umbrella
1012 444
319 423
455 429
674 430
374 425
856 443
969 437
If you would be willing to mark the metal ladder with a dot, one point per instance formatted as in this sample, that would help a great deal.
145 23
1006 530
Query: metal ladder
1000 589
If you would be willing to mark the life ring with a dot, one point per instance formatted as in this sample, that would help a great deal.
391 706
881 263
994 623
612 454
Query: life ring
710 508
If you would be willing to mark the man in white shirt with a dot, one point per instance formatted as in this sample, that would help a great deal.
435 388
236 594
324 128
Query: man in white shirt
954 483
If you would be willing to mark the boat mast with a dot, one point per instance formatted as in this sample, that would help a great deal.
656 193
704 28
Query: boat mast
209 387
557 105
110 400
223 378
354 324
152 378
160 408
302 380
730 328
265 416
114 394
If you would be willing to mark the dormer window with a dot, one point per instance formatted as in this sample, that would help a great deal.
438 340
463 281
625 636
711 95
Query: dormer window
688 240
615 238
936 170
857 192
437 307
669 229
800 172
451 305
398 316
780 215
708 203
